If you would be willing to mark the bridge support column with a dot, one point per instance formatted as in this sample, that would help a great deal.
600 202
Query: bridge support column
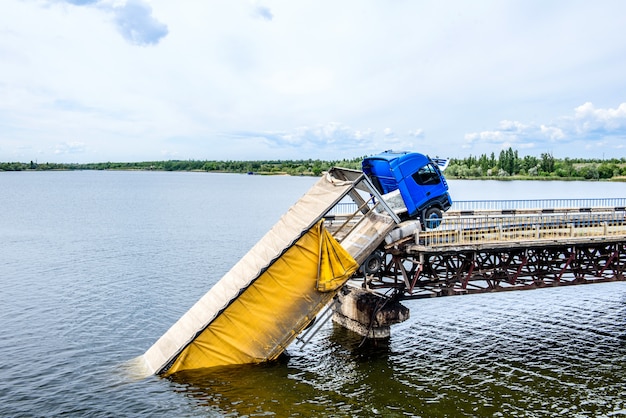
366 313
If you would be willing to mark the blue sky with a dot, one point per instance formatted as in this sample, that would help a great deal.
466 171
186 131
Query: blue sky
137 80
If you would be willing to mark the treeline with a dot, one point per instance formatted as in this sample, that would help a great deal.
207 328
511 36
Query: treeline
292 167
506 165
509 163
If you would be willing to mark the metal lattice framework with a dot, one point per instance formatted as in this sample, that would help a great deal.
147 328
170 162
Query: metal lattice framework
429 274
488 252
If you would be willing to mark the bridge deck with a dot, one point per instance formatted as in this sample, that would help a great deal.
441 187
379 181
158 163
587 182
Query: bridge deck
498 250
490 230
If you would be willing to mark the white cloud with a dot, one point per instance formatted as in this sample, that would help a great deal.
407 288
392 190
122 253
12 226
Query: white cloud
167 154
74 147
262 12
137 25
133 18
417 133
552 132
605 127
334 135
512 126
277 79
486 136
587 118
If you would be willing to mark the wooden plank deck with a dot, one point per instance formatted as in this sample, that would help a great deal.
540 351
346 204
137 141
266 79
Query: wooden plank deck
489 230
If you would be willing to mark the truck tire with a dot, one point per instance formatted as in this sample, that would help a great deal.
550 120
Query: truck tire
432 218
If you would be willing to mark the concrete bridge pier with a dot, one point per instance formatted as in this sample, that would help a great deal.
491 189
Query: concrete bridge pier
366 313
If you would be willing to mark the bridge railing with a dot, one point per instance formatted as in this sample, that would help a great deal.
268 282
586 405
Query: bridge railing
507 229
345 208
468 205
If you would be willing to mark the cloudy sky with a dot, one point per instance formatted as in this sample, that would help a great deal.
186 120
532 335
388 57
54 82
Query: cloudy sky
137 80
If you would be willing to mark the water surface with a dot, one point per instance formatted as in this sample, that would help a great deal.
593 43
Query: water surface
95 266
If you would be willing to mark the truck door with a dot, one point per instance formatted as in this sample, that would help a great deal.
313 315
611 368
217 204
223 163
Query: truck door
422 185
428 181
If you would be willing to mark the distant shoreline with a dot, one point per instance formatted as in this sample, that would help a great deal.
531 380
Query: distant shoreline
507 166
618 179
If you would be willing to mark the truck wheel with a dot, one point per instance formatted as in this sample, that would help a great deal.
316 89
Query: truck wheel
432 218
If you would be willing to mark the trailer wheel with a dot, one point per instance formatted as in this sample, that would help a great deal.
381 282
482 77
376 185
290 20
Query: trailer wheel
432 218
373 263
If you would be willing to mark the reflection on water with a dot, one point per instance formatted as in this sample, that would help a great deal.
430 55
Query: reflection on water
320 382
547 352
96 266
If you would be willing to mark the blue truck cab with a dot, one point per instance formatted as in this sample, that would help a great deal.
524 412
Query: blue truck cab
417 178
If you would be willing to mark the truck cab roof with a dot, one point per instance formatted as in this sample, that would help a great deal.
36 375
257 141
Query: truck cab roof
381 167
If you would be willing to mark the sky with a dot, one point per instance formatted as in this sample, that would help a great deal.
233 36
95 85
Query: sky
141 80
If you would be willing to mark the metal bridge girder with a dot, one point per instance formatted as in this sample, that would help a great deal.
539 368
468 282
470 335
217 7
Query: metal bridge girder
491 270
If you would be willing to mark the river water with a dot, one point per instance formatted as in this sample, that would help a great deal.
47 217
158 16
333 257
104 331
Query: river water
96 266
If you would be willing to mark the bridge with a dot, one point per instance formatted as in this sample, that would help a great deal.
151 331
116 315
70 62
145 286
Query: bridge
485 246
342 252
512 245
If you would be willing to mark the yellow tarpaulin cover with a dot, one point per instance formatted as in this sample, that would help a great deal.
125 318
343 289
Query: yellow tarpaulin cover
259 324
288 314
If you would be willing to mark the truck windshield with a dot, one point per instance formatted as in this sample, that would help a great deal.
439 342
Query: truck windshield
426 175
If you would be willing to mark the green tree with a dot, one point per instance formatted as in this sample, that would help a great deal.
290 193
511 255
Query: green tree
546 165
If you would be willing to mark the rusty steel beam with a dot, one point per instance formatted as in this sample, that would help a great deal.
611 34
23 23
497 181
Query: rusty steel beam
422 274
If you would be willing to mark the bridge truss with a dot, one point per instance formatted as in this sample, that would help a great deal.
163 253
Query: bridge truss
445 273
501 252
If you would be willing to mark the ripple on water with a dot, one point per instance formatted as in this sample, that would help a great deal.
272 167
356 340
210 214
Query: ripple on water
94 267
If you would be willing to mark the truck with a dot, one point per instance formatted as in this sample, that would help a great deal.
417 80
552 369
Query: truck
412 184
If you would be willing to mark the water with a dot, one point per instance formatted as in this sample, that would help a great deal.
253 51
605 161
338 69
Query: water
95 266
